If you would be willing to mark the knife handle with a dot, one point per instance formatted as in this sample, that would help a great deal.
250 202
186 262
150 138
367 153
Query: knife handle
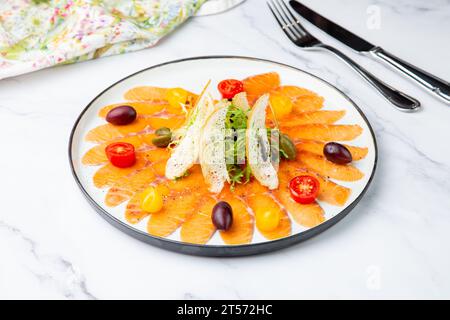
399 99
437 86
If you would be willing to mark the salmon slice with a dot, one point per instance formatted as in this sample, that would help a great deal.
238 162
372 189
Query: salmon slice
127 186
307 215
147 93
199 228
160 168
171 122
133 212
260 84
329 169
330 192
108 132
302 99
142 108
97 156
248 189
177 208
316 147
241 231
324 132
312 117
157 155
192 182
109 174
264 202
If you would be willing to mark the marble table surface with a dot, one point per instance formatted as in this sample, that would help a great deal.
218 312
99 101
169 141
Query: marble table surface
395 244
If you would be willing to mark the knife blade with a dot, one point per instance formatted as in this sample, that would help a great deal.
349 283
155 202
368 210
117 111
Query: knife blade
433 84
336 31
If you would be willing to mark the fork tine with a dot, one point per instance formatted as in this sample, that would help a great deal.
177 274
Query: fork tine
287 25
292 21
279 19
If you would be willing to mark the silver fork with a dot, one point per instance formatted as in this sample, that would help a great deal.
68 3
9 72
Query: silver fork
303 39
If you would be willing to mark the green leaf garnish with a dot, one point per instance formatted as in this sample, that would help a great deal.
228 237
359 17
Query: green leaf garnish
236 123
186 174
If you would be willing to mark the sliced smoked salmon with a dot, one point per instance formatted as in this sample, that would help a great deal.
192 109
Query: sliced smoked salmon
109 174
134 212
241 231
264 202
127 186
330 192
147 93
97 156
329 169
302 99
316 147
260 84
193 181
142 108
307 215
312 117
249 189
176 210
324 132
199 228
171 122
109 132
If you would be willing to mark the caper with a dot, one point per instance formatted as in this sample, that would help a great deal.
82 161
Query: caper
162 141
163 131
288 147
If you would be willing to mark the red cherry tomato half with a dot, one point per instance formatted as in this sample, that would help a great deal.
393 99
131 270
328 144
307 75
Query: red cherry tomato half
121 154
304 189
229 88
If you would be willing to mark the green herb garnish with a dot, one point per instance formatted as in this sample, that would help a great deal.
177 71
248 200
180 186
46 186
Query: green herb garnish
236 124
40 1
184 175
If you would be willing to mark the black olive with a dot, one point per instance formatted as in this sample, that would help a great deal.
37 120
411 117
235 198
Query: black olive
222 215
337 153
122 115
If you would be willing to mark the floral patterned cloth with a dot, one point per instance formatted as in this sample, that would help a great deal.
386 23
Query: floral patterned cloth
36 34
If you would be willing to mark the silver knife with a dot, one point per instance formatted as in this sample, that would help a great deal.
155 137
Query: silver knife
433 84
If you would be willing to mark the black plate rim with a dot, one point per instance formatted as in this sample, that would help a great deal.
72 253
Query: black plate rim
219 250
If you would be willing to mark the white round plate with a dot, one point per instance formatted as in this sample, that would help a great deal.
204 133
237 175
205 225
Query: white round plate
192 74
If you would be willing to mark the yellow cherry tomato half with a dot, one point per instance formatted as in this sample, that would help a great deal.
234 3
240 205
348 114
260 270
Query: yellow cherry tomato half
281 105
151 200
177 97
267 220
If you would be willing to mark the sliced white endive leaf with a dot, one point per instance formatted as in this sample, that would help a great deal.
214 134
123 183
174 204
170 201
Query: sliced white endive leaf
186 153
212 150
240 101
258 146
